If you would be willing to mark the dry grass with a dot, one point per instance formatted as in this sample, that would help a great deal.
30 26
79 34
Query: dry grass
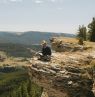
67 40
13 61
74 40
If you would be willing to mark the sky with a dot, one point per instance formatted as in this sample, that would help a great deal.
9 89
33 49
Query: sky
45 15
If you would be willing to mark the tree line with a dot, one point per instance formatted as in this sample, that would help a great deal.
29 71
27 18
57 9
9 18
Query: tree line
17 83
87 33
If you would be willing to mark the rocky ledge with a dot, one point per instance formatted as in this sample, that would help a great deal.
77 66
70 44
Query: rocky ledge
66 75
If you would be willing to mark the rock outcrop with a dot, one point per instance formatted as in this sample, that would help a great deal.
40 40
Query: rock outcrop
67 44
71 71
67 75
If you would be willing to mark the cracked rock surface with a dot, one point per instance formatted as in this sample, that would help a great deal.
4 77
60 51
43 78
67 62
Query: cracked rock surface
66 75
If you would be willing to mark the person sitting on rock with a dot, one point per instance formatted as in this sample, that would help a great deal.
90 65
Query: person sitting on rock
45 52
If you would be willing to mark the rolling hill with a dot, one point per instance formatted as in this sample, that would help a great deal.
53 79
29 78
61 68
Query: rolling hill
28 38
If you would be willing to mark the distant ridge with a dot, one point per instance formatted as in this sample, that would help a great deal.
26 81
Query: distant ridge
29 37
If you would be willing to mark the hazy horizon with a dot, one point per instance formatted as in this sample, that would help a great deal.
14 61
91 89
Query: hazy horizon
32 31
63 16
21 32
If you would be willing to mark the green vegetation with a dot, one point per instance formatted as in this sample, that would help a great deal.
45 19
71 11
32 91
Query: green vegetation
14 78
91 31
87 35
15 50
18 50
82 32
17 83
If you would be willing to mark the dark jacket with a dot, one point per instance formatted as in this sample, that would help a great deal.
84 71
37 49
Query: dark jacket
46 51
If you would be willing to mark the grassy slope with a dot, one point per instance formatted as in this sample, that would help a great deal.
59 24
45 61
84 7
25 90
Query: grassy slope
18 84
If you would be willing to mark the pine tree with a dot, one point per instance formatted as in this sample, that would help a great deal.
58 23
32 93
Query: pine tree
19 94
82 32
29 87
24 90
91 31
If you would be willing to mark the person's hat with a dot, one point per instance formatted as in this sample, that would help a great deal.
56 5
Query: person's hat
43 42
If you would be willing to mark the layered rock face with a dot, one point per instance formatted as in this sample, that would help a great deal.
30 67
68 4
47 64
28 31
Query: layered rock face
65 76
69 73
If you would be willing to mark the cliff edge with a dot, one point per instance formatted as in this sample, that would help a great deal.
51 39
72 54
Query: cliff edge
68 74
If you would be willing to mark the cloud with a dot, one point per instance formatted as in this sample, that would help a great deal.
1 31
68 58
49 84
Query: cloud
52 0
38 1
15 0
44 1
60 8
3 1
8 1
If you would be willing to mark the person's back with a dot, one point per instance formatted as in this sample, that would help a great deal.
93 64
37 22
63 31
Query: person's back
46 51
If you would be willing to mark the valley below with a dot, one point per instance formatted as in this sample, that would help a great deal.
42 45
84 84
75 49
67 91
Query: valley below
14 76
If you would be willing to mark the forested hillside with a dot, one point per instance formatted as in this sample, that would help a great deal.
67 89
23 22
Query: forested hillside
15 82
28 38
